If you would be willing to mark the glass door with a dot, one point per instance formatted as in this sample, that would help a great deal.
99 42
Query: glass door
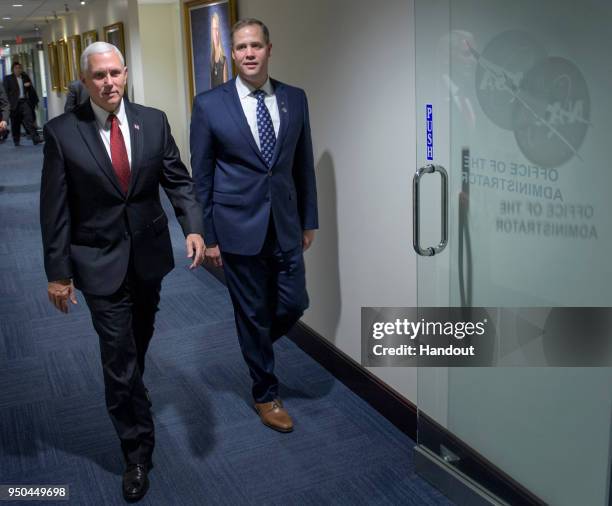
513 100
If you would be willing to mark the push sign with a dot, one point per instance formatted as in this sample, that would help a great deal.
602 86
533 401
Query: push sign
429 131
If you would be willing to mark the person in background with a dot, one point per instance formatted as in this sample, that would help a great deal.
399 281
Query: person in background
77 95
23 100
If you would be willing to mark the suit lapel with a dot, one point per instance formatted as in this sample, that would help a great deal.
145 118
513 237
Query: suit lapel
88 127
235 108
284 113
136 134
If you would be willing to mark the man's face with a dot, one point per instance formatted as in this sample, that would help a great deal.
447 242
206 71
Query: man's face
17 70
105 79
251 54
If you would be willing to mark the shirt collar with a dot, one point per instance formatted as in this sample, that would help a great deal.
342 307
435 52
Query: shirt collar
102 115
245 89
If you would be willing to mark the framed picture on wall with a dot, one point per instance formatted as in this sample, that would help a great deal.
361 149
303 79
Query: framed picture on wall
114 35
208 40
62 59
89 37
74 57
53 65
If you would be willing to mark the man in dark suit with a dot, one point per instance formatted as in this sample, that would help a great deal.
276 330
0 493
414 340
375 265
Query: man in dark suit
77 95
252 160
104 229
23 100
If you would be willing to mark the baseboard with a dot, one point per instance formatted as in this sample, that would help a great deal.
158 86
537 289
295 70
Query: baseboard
403 414
453 484
394 407
469 462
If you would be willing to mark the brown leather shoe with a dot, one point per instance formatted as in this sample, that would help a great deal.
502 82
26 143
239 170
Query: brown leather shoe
273 415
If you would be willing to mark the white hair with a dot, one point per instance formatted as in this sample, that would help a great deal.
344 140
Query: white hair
98 48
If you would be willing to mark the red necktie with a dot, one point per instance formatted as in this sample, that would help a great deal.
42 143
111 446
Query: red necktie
119 156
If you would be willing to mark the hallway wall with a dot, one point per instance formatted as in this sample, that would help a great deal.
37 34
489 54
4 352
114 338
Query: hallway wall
164 66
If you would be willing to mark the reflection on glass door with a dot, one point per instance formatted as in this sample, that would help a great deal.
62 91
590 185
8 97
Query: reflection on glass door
522 122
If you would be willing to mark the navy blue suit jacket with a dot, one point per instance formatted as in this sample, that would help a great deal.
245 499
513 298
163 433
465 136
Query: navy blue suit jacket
235 186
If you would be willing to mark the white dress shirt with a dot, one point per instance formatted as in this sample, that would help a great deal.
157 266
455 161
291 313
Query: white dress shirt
20 83
249 105
104 128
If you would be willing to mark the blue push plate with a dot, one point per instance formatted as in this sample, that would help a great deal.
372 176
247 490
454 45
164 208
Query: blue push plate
429 131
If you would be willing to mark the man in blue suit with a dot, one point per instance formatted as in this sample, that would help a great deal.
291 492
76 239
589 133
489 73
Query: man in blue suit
252 160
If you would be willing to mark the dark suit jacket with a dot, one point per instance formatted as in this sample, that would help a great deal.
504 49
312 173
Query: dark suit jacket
89 227
12 90
236 188
77 95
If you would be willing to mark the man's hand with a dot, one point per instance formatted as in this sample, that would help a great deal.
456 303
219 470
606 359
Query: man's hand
195 249
59 292
3 125
212 256
307 239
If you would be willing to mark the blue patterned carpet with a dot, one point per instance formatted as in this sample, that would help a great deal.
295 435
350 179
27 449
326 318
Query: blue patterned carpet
211 447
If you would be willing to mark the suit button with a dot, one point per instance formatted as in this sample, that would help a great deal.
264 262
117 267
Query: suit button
270 173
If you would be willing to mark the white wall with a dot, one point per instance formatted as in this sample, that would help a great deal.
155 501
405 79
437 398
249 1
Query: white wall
164 66
355 60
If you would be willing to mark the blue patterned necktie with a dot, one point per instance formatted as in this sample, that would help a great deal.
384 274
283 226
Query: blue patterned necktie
267 137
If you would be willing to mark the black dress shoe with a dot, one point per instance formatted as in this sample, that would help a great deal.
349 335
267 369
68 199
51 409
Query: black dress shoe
135 482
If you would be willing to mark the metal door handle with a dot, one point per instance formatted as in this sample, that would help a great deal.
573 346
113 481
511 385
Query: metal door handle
416 209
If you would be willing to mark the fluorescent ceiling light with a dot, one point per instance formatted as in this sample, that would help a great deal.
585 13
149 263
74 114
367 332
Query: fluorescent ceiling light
17 5
7 19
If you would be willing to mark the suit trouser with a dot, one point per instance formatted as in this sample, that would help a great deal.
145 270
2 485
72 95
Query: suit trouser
268 291
23 113
124 322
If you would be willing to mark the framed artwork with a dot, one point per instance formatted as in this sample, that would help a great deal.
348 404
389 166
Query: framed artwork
114 35
74 57
89 37
62 59
208 25
53 65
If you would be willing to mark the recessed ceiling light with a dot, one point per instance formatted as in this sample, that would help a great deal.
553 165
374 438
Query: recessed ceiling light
7 19
83 2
